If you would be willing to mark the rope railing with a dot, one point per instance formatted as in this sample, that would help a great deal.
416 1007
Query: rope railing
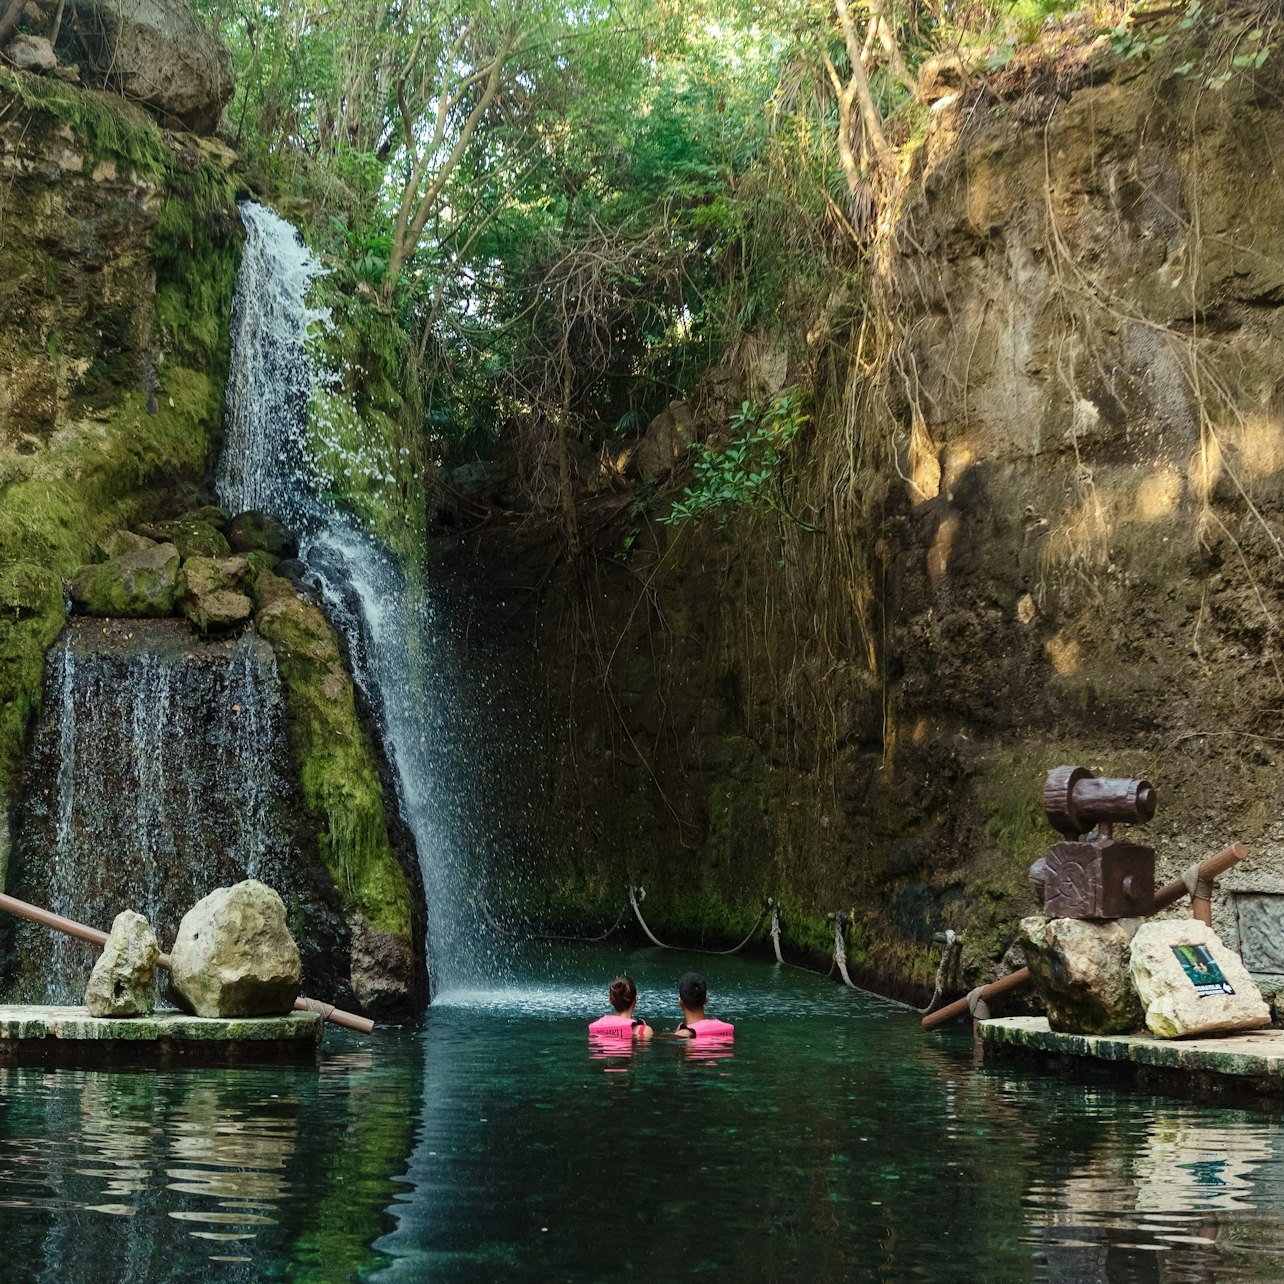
655 940
770 907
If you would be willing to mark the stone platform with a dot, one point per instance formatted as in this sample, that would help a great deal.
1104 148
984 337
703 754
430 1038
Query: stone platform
70 1036
1246 1064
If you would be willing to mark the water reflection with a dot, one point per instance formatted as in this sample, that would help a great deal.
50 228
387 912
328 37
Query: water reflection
830 1141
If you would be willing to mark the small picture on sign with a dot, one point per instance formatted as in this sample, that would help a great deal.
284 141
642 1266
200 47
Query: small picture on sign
1200 966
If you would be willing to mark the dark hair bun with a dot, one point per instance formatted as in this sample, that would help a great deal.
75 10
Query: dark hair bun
623 993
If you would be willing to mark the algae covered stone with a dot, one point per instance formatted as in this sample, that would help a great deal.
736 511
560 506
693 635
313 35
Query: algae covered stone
141 581
123 982
234 955
1080 971
1190 983
212 598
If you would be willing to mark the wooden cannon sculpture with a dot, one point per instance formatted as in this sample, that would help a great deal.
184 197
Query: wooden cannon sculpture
1100 877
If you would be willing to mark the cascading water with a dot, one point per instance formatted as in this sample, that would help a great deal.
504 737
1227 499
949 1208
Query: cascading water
165 758
271 464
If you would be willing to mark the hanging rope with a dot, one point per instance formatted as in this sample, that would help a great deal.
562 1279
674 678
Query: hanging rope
482 909
951 941
840 951
775 929
655 940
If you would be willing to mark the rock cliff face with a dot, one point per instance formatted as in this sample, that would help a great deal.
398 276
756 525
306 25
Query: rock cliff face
1051 532
119 245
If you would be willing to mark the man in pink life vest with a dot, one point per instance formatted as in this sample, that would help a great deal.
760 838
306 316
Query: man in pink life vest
621 1023
692 996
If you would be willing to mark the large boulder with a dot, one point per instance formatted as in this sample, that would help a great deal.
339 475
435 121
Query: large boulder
212 595
1080 971
234 956
665 441
31 53
123 982
156 52
139 582
1190 983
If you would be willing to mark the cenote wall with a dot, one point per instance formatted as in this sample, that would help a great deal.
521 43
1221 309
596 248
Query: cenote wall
1036 519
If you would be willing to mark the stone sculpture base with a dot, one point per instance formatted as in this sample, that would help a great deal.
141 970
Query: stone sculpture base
70 1036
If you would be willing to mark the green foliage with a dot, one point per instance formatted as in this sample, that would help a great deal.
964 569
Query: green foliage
739 475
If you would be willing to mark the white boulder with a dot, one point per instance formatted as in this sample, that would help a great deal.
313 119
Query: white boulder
234 956
1190 983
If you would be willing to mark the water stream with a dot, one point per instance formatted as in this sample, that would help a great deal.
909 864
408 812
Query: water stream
163 756
392 629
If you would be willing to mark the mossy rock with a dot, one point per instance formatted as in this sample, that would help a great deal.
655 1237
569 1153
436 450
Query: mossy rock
257 532
338 771
192 536
144 582
212 593
32 613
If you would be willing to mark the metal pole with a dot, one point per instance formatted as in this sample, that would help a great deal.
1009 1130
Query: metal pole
1166 895
70 927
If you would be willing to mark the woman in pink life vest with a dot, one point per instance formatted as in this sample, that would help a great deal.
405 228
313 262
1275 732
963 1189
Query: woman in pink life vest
621 1023
693 993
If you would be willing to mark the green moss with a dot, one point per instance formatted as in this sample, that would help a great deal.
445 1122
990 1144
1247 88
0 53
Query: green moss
337 768
103 124
364 427
31 617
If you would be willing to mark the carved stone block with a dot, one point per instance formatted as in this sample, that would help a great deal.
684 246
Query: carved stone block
1104 879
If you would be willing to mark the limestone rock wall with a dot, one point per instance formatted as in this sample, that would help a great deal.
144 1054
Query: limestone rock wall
1054 535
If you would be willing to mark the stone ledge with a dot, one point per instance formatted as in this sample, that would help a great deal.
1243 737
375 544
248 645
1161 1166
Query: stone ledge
71 1035
1250 1063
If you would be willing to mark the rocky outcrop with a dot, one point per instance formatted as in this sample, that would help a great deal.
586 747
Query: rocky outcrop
1080 972
1190 983
156 52
141 581
123 982
234 955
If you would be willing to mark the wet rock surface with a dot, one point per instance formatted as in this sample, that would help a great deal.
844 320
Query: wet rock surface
123 982
1210 991
234 955
1080 971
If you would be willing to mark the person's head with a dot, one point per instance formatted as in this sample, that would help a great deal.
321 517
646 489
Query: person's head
692 992
623 993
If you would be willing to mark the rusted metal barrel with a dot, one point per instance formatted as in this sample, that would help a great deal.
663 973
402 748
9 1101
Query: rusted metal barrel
69 927
1166 895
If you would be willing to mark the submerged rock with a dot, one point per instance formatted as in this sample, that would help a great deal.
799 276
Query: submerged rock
123 982
1191 983
234 955
1080 971
139 582
156 52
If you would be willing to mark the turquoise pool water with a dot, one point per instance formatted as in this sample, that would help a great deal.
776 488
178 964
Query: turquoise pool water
837 1141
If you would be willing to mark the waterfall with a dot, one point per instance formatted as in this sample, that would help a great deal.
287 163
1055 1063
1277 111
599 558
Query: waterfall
391 627
164 757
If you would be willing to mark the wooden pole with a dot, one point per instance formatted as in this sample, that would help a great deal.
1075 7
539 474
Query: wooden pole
69 927
1166 895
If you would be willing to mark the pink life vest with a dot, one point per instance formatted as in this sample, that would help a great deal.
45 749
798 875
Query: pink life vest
613 1026
712 1028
